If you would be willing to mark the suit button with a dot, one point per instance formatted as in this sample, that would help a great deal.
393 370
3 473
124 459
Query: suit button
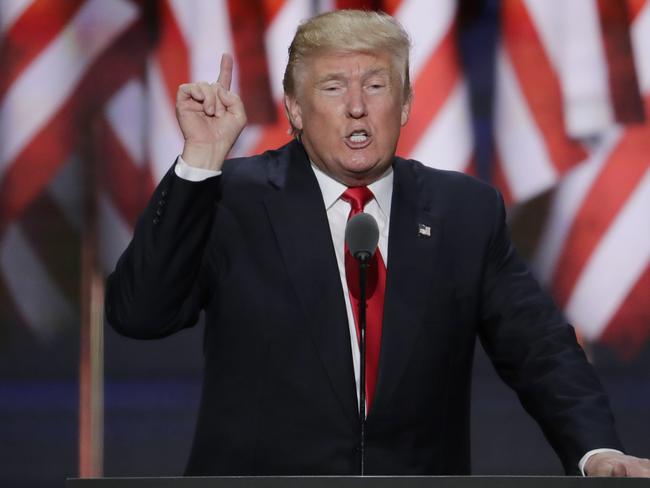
155 220
159 211
164 193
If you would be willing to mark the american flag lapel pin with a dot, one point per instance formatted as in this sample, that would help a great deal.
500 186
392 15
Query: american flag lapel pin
424 230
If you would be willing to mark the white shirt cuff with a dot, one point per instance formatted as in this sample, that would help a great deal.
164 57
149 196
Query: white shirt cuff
586 457
190 173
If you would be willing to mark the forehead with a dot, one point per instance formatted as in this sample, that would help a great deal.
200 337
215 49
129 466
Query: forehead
342 63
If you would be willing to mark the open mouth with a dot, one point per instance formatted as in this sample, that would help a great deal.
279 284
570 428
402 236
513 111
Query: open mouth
358 138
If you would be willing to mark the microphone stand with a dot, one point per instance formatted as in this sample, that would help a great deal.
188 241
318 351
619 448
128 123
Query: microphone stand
363 258
362 237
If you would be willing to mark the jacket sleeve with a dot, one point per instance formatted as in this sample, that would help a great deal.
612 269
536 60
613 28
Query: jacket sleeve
535 351
159 282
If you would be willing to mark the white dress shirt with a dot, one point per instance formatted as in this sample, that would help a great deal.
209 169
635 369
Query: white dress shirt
337 215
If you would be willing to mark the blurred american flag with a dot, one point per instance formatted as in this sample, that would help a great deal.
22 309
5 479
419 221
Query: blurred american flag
92 84
573 93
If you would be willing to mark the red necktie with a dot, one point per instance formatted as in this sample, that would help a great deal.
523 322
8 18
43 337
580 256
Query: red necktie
376 285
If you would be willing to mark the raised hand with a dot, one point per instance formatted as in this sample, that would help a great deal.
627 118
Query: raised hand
210 117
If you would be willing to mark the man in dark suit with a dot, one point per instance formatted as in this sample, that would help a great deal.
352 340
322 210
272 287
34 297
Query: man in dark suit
257 243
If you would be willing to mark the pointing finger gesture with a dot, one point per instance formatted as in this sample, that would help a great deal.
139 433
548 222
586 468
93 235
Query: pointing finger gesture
210 117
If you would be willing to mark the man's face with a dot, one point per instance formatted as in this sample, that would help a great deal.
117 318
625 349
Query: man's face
349 108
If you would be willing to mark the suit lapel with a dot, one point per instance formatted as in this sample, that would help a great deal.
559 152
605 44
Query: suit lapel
411 256
297 215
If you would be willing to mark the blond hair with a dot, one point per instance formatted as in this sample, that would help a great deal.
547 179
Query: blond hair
349 31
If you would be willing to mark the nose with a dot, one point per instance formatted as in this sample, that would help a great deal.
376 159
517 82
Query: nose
356 103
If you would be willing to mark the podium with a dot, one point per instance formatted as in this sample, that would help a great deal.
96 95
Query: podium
362 482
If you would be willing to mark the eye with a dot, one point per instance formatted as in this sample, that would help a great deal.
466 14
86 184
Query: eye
331 88
376 85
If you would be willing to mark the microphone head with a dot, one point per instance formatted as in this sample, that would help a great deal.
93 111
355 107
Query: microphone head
362 235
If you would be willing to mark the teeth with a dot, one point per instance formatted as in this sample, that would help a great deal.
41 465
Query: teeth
358 137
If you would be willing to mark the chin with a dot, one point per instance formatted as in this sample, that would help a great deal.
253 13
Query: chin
361 175
362 165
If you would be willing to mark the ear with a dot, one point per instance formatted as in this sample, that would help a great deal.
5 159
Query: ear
294 112
406 110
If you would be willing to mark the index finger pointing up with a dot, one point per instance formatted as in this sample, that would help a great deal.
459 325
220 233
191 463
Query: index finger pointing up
225 71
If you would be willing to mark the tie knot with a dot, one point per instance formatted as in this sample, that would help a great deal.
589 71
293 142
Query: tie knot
357 196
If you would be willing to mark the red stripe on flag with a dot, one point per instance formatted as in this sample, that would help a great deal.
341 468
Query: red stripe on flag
435 81
623 84
123 60
629 330
39 160
37 164
388 6
33 32
172 52
359 4
247 22
635 7
471 168
271 9
538 83
127 185
607 196
274 135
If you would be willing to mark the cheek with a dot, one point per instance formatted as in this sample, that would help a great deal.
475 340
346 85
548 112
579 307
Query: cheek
324 119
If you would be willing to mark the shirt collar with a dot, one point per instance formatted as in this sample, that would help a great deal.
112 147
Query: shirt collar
332 190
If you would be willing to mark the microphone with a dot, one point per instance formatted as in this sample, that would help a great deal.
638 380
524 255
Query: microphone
362 236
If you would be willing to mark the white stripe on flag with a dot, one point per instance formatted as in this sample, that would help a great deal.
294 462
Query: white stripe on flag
165 139
544 14
10 11
622 255
583 70
48 82
427 23
278 37
526 164
566 202
447 142
641 42
125 115
208 39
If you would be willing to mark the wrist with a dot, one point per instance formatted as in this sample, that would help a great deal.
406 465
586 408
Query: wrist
203 156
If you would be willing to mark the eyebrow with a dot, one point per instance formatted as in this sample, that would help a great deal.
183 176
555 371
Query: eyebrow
338 76
331 77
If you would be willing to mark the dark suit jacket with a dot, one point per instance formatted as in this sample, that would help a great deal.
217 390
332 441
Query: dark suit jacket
252 248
